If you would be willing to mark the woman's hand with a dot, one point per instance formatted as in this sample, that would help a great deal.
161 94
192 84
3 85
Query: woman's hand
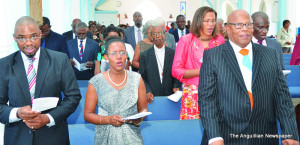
116 120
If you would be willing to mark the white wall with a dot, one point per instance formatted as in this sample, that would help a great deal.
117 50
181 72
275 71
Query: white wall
107 19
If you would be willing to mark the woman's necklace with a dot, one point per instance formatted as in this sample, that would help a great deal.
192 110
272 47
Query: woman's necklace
114 82
205 39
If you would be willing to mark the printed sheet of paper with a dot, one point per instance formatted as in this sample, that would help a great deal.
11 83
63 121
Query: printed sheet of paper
176 96
42 104
136 116
285 72
79 66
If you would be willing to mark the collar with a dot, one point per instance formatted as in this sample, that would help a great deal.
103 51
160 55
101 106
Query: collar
254 40
159 50
237 48
136 28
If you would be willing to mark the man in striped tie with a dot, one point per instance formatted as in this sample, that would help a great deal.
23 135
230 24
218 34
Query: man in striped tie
31 73
242 91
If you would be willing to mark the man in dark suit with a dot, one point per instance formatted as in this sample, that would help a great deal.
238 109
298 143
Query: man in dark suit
84 50
48 74
134 34
242 91
156 67
69 35
260 29
181 30
52 40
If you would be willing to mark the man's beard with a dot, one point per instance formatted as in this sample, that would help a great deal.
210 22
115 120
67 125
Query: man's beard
138 24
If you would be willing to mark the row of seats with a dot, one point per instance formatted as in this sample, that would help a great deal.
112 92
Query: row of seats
166 132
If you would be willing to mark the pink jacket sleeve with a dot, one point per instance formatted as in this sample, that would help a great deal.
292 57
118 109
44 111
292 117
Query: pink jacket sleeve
181 53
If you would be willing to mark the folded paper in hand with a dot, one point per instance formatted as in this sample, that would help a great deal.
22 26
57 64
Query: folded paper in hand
285 72
176 96
45 103
136 116
79 66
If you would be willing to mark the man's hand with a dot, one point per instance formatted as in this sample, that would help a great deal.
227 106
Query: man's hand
72 62
25 113
219 142
38 122
290 142
149 97
89 64
175 90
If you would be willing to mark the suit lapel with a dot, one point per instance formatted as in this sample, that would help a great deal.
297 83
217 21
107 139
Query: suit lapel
133 36
42 71
232 63
20 73
256 60
75 50
167 64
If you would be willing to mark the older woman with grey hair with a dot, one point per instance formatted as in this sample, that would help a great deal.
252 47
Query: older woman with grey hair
143 45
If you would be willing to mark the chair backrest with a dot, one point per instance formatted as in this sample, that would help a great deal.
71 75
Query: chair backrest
293 79
163 109
77 116
83 83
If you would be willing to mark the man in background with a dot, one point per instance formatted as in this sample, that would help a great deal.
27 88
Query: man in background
69 35
181 30
52 40
260 30
134 34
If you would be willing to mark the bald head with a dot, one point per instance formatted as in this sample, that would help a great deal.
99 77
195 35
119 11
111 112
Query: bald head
234 15
23 21
259 15
239 28
74 23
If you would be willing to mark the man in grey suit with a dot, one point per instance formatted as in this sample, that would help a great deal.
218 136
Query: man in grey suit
134 34
156 67
260 29
31 73
242 91
84 50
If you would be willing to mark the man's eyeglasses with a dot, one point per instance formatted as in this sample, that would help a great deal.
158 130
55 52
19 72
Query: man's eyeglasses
241 25
24 40
115 53
157 34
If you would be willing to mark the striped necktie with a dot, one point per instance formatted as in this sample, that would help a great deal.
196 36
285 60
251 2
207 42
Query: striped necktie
247 63
31 77
81 50
182 33
139 35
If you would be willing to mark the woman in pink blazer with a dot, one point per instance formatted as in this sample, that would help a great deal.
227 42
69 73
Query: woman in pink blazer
188 58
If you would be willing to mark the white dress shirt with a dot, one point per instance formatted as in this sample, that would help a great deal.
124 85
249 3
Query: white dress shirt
264 42
160 58
136 33
246 73
180 33
13 113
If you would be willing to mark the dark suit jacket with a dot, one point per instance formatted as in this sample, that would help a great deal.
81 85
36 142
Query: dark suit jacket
224 101
56 42
69 35
54 75
150 74
90 53
130 37
175 33
276 45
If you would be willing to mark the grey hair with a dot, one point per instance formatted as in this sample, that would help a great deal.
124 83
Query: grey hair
259 14
146 27
220 20
81 25
157 24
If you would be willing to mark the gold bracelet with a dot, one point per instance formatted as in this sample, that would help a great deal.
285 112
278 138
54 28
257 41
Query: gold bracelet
100 120
139 122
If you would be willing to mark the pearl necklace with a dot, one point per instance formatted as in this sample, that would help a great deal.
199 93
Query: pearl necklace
114 82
